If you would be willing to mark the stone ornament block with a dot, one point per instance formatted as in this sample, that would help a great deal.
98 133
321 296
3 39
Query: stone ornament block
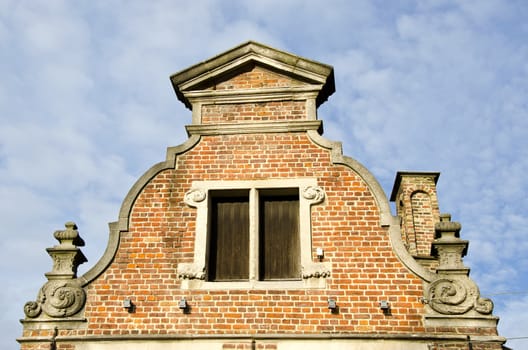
452 292
456 295
62 296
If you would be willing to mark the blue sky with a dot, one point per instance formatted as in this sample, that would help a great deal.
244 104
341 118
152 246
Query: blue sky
86 107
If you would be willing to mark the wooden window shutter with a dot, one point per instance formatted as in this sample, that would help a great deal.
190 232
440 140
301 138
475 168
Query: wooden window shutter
229 239
279 242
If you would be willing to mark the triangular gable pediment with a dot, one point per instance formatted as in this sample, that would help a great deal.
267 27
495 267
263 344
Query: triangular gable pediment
253 74
292 71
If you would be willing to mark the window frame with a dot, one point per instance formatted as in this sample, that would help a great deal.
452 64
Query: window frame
228 243
193 275
279 209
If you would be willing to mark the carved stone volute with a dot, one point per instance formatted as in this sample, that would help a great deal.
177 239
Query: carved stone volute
62 296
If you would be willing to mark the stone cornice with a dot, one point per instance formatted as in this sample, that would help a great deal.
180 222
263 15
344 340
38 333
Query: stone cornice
426 336
68 323
254 127
253 95
480 321
401 174
296 67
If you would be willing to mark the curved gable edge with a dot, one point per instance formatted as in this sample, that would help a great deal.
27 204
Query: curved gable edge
116 228
386 217
337 157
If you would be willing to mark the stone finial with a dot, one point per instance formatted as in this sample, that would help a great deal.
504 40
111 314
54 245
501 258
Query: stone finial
447 229
448 247
66 256
61 296
70 236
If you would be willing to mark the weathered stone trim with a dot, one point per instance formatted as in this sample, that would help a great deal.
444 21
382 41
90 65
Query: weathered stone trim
386 217
296 93
400 174
359 336
70 323
122 225
336 151
169 163
460 321
313 273
254 127
246 53
452 294
106 259
211 338
403 254
307 73
198 99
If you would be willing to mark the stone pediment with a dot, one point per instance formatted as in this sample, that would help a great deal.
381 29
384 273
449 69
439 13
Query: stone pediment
254 69
253 75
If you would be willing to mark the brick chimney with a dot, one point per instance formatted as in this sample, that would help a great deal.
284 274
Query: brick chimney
414 194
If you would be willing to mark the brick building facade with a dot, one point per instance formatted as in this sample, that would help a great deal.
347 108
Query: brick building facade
258 233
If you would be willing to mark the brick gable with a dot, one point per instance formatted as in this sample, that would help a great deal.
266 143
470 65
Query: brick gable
397 281
254 77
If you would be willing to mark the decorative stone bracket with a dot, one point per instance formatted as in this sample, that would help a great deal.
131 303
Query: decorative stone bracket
315 270
314 194
191 271
62 296
194 197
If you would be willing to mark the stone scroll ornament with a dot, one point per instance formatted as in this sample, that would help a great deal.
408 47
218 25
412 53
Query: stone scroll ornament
195 196
57 299
314 194
61 296
457 296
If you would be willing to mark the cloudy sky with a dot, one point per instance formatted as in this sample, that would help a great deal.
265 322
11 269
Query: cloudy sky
86 107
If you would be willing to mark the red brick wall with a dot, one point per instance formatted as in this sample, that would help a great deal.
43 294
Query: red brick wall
423 222
253 112
418 208
473 345
161 235
254 78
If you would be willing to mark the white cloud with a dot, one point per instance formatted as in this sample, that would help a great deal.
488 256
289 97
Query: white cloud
512 322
